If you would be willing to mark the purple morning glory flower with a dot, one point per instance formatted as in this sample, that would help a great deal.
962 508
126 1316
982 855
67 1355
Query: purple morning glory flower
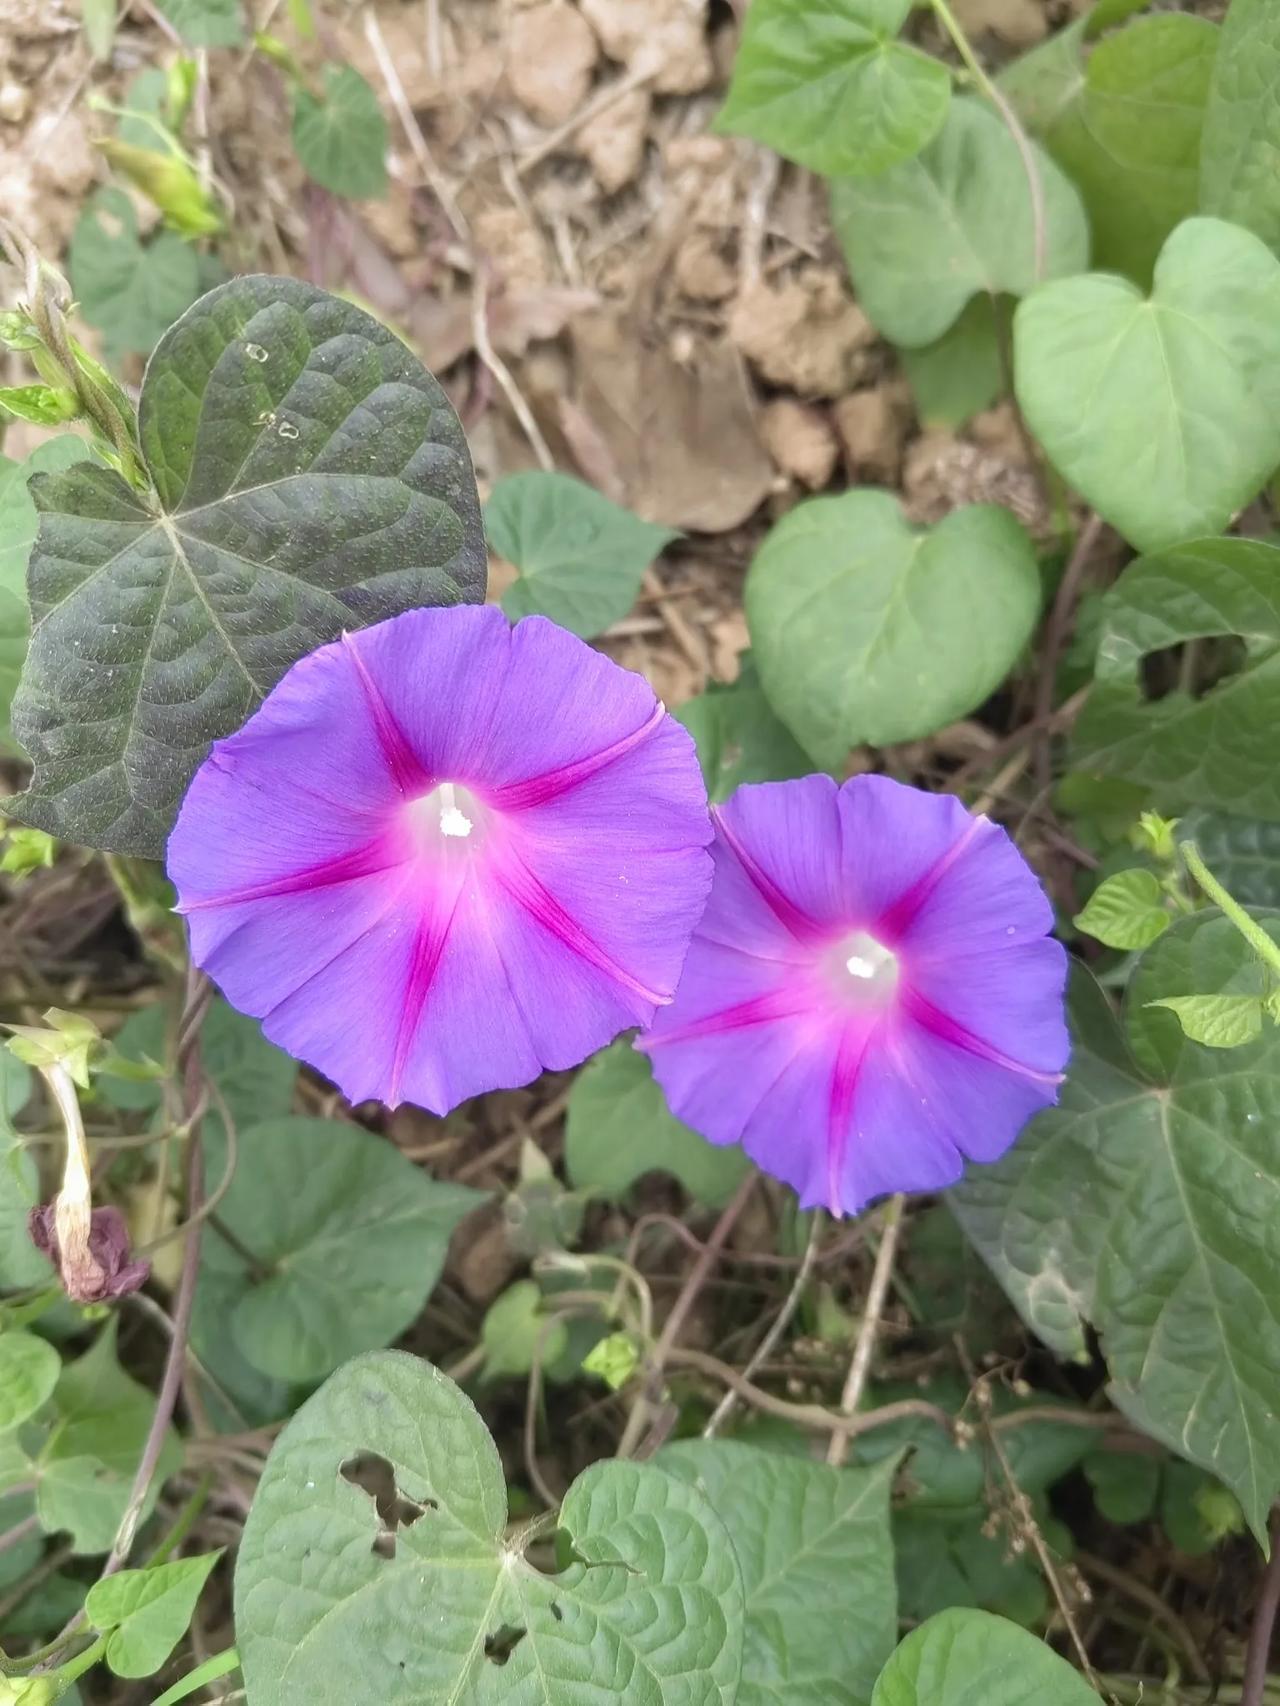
446 853
871 995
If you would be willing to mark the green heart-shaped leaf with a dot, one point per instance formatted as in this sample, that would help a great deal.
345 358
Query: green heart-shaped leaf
145 1613
865 628
1162 411
1238 178
375 1566
310 477
827 85
341 137
924 237
970 1658
131 290
1145 1203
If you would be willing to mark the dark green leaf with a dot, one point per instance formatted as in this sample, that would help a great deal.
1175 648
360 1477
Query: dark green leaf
1164 413
969 1658
817 1566
827 85
254 1078
205 23
944 1559
1218 750
341 138
1126 911
619 1128
924 237
349 1238
312 477
738 736
1197 1512
1144 1203
1241 852
865 628
1125 1484
581 558
411 1592
145 1613
1241 146
961 373
132 291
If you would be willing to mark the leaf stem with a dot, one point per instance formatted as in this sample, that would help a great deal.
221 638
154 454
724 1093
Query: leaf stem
1267 950
1258 1655
1013 124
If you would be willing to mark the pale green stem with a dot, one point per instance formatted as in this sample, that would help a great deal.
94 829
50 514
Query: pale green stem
1267 950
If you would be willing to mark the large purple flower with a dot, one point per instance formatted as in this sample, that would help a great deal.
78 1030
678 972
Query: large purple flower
446 853
871 995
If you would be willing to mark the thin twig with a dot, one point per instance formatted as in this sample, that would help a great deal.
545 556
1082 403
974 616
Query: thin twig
1258 1653
1151 1601
860 1362
636 78
818 1418
1055 635
651 1380
781 1321
435 178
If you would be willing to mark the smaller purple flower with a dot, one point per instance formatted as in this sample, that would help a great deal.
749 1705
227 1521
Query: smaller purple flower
444 854
871 995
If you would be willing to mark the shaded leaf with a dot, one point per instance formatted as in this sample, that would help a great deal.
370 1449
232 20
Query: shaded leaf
619 1128
1125 1484
1217 750
828 85
29 1369
130 290
516 1330
923 238
817 1566
1240 152
1163 412
206 23
1143 1203
1241 852
341 138
349 1239
581 558
312 478
145 1613
969 1658
865 628
254 1078
961 373
335 1584
1126 911
739 737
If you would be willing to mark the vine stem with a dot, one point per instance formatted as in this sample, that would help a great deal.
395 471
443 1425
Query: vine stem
868 1331
1013 124
1055 635
1258 1653
1267 950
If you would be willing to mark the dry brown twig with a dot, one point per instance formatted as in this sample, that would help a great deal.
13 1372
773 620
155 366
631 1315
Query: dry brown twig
868 1331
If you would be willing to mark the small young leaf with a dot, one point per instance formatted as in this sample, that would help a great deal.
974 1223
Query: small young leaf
131 291
827 85
580 557
1164 413
145 1613
43 405
865 628
739 737
1196 1511
341 138
206 23
961 373
385 1494
962 1657
924 237
29 1369
614 1359
1126 911
1238 179
516 1329
1217 1021
817 1566
1125 1484
289 507
349 1239
619 1128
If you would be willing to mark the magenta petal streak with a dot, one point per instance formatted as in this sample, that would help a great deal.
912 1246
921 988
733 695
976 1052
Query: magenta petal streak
871 996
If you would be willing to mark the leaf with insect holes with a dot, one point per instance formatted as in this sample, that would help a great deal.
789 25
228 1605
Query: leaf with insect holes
382 1515
1125 911
581 558
341 136
1163 411
828 85
923 238
347 1240
1240 151
1217 750
310 477
970 1658
817 1567
1144 1203
145 1613
865 628
619 1128
130 290
29 1370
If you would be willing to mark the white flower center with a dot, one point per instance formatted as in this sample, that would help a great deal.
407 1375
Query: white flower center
864 971
448 816
453 821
